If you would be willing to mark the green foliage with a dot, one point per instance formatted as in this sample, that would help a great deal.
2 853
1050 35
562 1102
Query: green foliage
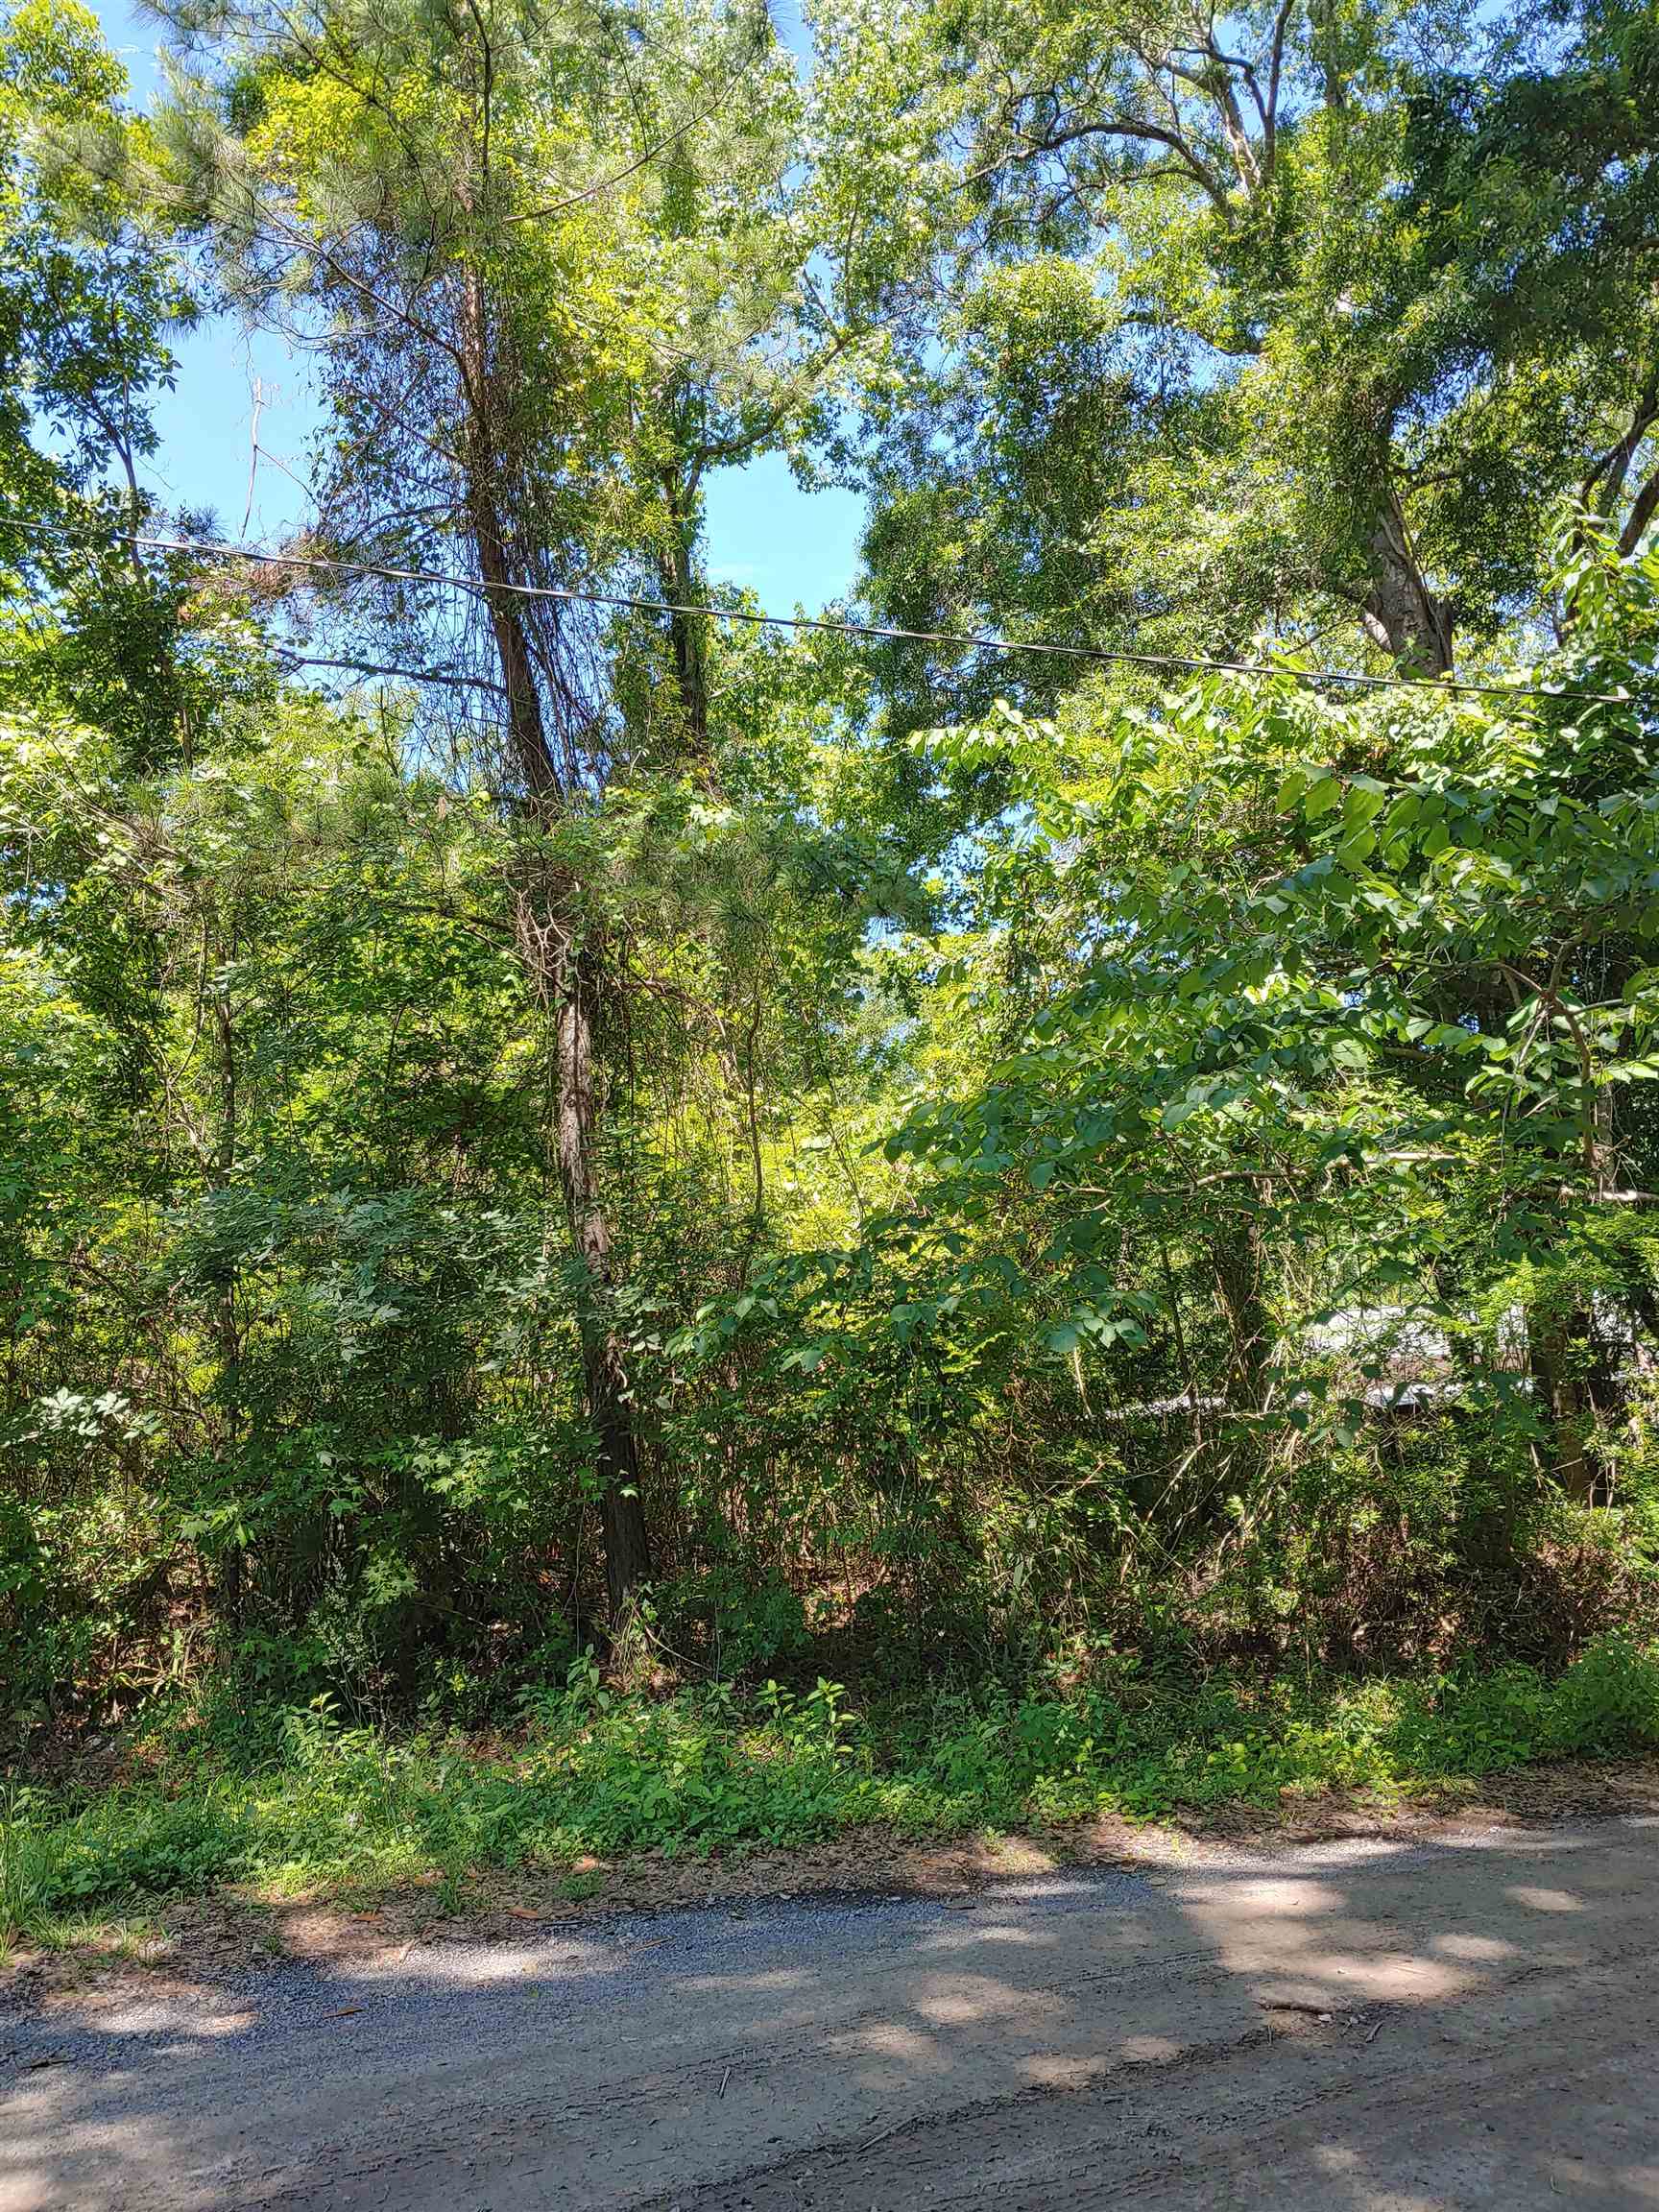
1298 326
345 1810
1106 1182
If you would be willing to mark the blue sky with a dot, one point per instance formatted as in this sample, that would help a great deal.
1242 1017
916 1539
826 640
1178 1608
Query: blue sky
788 546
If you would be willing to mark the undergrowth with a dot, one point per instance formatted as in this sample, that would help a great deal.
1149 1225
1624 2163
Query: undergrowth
302 1802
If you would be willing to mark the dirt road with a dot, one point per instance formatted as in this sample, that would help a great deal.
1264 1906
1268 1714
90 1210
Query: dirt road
1351 2024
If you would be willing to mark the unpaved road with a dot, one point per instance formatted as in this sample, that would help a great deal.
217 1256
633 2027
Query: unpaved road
1351 2024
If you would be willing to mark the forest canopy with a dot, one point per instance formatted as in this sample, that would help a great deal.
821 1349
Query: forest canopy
1090 1121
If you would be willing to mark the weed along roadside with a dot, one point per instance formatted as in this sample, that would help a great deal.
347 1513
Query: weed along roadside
594 1789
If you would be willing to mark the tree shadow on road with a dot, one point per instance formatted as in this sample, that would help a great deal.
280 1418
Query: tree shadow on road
1361 2026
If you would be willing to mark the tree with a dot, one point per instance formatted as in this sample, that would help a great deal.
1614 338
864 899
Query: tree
1220 326
1373 980
90 293
553 274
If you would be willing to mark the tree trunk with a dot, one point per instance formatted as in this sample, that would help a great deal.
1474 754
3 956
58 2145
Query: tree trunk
1560 1354
1240 1262
685 630
1400 612
568 973
1327 54
1565 1403
576 1115
227 1337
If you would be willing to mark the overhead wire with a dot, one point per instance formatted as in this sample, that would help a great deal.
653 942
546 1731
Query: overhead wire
880 632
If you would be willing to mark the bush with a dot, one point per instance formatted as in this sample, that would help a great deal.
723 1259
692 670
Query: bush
303 1800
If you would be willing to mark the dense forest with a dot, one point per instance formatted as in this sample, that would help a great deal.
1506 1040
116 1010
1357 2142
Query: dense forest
1087 1120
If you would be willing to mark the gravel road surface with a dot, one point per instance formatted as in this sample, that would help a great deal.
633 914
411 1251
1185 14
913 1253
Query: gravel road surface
1345 2025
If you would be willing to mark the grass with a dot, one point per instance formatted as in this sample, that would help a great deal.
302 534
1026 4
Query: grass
299 1803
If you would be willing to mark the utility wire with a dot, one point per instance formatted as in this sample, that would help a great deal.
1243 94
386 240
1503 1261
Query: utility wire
965 641
292 660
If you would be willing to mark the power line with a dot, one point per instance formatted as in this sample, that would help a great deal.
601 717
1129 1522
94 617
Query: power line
461 682
964 640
